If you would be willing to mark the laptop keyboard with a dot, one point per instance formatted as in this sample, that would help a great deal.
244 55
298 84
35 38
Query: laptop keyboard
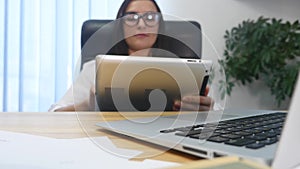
251 132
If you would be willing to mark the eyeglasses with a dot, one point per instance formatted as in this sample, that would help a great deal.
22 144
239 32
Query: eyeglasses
150 18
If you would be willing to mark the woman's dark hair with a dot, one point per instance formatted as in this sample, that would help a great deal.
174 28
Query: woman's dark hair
121 47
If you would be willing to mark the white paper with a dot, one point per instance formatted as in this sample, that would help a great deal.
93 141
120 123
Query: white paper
35 152
297 167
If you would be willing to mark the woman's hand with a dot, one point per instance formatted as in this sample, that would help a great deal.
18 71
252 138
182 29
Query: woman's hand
92 99
194 103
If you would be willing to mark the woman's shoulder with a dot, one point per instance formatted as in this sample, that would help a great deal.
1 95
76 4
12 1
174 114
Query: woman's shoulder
88 70
88 64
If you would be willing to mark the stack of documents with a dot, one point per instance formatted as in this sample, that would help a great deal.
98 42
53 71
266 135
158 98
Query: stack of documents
36 152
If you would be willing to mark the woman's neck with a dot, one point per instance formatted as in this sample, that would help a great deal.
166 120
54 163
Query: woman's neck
144 52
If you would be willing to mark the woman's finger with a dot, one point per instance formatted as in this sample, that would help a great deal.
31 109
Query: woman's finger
194 103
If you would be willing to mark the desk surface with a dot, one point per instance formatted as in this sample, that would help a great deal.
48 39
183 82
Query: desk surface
82 124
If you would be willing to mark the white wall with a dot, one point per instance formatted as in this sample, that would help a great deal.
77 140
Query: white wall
216 16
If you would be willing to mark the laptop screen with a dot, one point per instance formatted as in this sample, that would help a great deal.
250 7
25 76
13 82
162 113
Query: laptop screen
288 155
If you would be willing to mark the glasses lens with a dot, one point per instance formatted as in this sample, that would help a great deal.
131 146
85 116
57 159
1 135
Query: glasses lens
151 18
131 19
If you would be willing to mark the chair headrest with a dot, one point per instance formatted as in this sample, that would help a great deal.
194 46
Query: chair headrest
184 38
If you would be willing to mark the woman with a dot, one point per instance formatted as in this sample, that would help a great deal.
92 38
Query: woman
137 26
141 21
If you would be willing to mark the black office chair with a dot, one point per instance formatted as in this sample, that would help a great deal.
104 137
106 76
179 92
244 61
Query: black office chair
184 39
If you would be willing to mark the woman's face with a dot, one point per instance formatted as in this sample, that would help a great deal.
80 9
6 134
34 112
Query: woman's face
143 34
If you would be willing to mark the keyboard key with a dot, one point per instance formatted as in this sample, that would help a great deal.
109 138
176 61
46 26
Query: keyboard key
218 139
256 137
168 131
255 145
267 134
204 136
233 129
222 131
240 142
242 133
184 129
190 132
270 141
231 136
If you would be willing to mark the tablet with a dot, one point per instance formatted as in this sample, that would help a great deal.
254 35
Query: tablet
136 83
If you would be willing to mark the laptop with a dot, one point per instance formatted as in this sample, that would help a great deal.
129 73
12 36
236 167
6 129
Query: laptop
269 137
135 83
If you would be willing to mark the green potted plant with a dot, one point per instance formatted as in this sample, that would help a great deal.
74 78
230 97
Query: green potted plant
265 49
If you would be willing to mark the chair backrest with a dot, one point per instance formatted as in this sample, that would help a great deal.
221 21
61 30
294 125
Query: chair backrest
184 38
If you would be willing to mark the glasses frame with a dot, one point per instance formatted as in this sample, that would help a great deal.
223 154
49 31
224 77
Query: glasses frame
142 16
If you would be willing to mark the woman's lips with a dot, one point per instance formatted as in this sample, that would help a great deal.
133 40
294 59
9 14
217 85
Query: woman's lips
141 35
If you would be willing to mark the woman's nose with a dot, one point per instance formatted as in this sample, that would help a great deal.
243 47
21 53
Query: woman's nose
141 23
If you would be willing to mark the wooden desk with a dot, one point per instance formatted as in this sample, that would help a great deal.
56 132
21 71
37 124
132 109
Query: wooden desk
82 124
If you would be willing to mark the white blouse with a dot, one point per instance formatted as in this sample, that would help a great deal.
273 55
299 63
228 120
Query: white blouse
81 95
